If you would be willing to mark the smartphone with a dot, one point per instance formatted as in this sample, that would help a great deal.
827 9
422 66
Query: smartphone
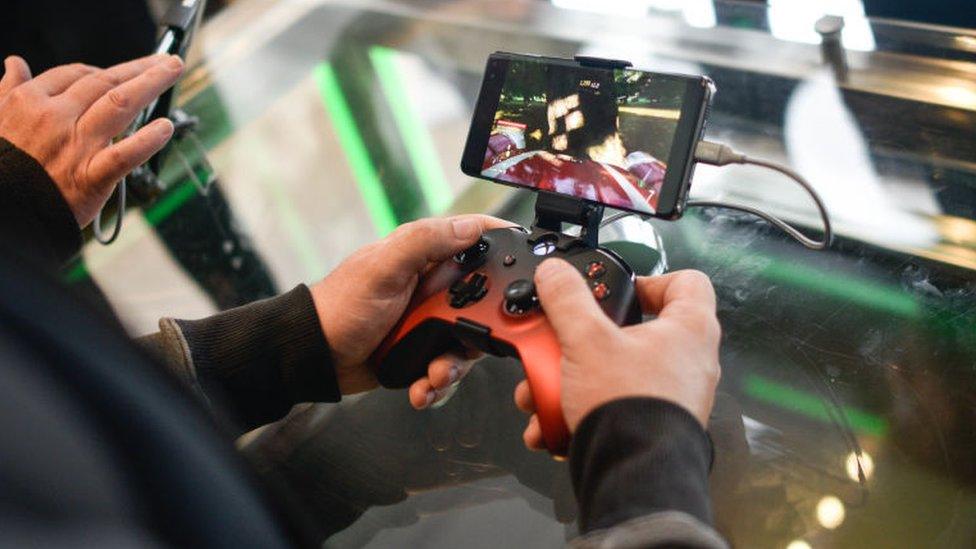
605 133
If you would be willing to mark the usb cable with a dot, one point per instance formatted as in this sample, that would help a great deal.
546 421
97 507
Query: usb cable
718 154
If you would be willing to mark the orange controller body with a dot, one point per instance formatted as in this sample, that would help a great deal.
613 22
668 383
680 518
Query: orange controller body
485 298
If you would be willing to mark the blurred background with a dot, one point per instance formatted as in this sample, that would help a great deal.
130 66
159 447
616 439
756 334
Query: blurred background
847 407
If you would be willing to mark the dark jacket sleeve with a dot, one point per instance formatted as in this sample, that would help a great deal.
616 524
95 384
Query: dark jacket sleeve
33 214
255 361
640 470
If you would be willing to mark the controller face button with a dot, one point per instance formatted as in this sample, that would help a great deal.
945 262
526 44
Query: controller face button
601 291
509 260
520 297
595 269
468 290
473 253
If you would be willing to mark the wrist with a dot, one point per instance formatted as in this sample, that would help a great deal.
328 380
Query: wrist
352 375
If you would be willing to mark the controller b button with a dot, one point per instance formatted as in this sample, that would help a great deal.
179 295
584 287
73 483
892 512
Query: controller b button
520 297
601 291
595 269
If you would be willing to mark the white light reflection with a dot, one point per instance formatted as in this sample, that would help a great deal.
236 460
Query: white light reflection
618 7
826 145
867 466
699 13
959 96
794 21
966 42
830 512
798 544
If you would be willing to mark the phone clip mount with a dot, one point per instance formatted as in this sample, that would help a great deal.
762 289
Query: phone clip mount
552 210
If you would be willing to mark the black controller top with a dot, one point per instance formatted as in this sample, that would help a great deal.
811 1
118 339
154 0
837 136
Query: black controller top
507 258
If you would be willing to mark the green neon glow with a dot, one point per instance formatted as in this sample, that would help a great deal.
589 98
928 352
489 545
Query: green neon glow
417 140
167 204
864 292
380 210
882 297
76 271
170 202
810 406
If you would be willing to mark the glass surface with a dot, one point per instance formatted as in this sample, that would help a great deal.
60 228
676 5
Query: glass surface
847 407
598 134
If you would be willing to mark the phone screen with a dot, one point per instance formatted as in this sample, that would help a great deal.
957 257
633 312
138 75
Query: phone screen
600 134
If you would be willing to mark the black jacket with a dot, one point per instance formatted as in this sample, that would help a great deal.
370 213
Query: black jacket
100 444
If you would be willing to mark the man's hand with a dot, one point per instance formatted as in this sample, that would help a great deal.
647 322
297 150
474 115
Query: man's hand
363 298
67 117
673 358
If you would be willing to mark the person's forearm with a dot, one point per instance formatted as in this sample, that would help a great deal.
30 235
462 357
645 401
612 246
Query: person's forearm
256 361
33 213
640 471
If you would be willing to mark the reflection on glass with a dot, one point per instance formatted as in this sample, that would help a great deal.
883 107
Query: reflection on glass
866 466
795 21
830 512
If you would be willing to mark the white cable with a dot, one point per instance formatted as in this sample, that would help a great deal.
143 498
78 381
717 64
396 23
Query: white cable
718 154
119 213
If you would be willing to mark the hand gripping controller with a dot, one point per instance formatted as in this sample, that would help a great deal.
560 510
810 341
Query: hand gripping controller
485 298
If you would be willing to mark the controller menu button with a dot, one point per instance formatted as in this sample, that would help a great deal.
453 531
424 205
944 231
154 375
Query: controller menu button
595 269
520 297
468 290
509 260
601 291
472 254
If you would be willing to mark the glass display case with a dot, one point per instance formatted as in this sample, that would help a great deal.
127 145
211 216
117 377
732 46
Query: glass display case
847 408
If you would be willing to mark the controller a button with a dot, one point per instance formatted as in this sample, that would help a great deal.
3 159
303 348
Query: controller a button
509 260
601 291
468 290
472 254
595 269
520 297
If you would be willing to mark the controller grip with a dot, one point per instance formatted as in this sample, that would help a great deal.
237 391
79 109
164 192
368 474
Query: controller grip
541 358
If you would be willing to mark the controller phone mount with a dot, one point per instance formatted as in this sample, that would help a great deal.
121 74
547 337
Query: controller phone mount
485 298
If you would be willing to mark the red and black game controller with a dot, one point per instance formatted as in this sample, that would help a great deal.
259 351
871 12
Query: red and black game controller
485 298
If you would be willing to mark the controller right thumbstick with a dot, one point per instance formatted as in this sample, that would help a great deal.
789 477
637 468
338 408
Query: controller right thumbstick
520 297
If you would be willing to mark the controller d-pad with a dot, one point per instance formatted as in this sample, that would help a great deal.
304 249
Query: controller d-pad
468 290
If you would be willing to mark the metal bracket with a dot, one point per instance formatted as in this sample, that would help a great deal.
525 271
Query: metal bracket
552 210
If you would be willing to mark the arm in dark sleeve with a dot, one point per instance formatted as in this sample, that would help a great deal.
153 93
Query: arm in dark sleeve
33 214
640 470
257 361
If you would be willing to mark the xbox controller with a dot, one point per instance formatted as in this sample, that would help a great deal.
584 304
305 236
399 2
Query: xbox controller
485 298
